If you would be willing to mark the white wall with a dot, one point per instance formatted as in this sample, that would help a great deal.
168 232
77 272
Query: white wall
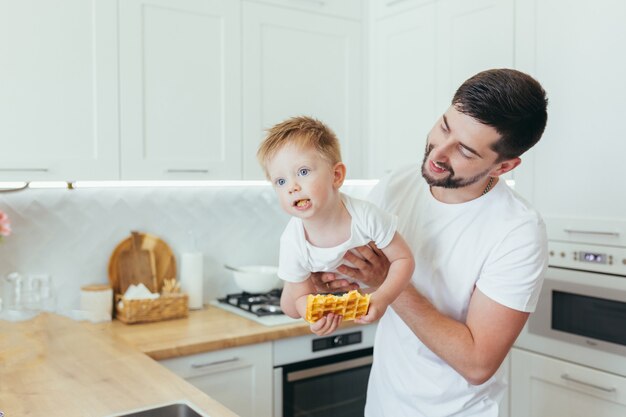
70 234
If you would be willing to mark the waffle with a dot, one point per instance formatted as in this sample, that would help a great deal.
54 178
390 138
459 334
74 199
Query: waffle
351 305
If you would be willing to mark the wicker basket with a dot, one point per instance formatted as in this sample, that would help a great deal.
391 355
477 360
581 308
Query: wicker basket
166 307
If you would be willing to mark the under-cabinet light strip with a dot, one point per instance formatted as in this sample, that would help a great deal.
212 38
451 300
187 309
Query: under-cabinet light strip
8 185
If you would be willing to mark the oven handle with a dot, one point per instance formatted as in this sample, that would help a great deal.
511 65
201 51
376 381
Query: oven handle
587 384
329 369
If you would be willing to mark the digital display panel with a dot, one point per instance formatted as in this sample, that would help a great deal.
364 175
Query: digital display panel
596 258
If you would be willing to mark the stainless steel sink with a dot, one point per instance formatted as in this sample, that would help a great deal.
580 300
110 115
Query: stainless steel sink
170 410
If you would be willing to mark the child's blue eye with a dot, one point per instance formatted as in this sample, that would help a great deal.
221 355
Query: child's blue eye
304 172
280 182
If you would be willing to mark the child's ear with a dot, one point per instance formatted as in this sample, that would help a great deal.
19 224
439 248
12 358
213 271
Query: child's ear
339 174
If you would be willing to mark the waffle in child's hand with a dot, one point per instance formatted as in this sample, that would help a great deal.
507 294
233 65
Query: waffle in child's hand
351 305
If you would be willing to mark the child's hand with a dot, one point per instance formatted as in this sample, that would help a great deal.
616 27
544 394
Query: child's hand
326 325
375 311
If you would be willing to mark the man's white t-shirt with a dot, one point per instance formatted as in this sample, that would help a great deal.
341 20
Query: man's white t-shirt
298 258
496 243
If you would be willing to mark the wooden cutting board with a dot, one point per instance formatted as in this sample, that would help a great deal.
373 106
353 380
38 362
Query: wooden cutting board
128 263
136 266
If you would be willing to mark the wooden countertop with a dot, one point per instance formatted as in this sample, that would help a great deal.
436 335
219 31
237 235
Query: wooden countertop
205 330
54 366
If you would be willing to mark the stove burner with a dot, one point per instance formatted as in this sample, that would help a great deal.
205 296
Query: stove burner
269 309
258 304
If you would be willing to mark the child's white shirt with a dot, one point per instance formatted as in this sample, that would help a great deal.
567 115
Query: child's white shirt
298 258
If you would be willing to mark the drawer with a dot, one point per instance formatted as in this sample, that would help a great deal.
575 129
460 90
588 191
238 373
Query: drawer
220 360
557 380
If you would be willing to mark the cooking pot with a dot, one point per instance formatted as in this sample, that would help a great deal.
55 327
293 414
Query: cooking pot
256 278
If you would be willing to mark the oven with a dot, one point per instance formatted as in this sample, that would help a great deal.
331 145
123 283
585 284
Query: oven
581 313
323 376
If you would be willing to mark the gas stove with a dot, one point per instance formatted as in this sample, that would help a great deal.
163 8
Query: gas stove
262 308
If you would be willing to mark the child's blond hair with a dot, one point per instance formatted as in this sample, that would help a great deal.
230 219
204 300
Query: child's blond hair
304 132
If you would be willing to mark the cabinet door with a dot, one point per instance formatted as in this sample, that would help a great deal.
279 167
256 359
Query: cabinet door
572 49
180 89
239 378
542 386
298 63
58 90
403 85
472 36
420 57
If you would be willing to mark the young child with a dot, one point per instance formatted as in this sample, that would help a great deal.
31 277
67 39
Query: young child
302 159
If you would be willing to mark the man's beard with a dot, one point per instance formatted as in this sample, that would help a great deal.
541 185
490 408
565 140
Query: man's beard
449 181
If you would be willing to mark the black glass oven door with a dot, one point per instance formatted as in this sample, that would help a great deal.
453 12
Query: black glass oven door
587 316
334 386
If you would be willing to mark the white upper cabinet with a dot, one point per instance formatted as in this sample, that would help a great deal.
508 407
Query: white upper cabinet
403 88
58 90
419 58
180 87
573 48
301 63
472 36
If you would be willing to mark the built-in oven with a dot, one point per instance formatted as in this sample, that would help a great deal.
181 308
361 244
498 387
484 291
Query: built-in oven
581 313
323 376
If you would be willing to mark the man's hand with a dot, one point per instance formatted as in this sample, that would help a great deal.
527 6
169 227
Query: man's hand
370 269
327 282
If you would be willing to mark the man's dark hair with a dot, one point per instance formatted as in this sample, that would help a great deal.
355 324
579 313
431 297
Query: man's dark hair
511 102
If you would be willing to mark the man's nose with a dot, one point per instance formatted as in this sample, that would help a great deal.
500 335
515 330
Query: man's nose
440 153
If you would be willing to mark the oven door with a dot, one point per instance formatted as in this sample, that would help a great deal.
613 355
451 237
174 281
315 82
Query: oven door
333 386
581 317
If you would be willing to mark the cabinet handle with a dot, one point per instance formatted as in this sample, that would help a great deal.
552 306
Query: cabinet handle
318 2
24 169
207 364
588 384
591 232
178 171
18 188
394 2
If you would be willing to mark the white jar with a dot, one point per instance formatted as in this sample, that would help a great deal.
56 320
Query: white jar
96 302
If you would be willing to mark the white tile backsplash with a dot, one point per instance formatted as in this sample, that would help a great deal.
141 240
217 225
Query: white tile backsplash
70 234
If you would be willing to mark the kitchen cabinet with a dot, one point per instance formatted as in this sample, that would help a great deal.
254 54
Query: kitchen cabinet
240 378
154 89
58 90
298 62
403 88
544 386
419 57
572 50
180 89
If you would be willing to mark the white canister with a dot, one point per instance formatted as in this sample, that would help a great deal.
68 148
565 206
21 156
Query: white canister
96 302
191 277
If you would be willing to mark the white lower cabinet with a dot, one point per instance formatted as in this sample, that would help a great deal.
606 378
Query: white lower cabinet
239 378
546 387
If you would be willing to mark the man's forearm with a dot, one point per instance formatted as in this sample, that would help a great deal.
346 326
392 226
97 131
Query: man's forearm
449 339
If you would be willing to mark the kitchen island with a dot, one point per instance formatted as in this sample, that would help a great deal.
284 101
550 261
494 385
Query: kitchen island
54 366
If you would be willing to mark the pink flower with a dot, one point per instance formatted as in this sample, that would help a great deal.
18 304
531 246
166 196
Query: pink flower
5 226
